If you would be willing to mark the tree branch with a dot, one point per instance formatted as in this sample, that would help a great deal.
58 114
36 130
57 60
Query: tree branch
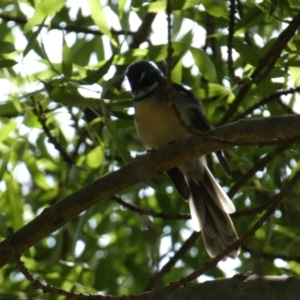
250 132
232 11
266 100
258 166
155 280
184 216
265 65
239 287
67 28
272 256
38 111
150 212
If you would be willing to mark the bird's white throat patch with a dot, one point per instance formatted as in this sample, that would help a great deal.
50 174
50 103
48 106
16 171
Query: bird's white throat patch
142 93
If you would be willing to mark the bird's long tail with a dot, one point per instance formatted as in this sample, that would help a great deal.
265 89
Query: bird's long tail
210 208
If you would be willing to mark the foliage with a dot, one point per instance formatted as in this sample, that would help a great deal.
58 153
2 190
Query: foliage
57 135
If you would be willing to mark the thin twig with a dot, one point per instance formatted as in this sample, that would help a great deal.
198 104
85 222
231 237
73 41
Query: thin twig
248 212
232 11
265 65
271 256
169 70
138 37
186 246
38 111
79 132
149 212
266 100
67 28
258 166
34 281
240 8
169 49
183 216
285 107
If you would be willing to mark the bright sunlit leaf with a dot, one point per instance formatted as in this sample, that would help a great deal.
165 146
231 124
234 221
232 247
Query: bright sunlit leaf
95 157
44 9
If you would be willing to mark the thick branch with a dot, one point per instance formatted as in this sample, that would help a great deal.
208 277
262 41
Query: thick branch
239 287
143 31
265 65
250 132
257 131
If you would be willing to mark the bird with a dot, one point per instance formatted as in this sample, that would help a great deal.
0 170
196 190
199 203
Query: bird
158 124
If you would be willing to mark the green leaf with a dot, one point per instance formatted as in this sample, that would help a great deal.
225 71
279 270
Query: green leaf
4 161
294 71
161 5
119 143
6 130
7 63
44 9
97 75
95 157
99 18
38 176
177 72
273 7
204 63
6 47
67 64
14 199
246 52
216 8
294 4
69 96
31 120
33 39
10 108
213 90
121 8
155 53
250 19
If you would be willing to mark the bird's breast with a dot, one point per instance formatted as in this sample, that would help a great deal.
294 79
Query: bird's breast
157 124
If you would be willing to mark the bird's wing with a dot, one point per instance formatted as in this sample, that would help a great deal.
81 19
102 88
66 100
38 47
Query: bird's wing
197 119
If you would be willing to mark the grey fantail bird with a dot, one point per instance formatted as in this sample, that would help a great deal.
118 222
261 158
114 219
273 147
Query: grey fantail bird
157 125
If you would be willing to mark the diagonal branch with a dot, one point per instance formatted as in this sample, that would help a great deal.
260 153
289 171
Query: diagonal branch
265 65
258 166
38 111
266 100
250 132
190 242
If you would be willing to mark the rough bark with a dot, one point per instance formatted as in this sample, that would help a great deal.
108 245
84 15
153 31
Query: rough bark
239 287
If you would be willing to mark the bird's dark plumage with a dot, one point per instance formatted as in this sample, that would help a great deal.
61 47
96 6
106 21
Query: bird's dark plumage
157 125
